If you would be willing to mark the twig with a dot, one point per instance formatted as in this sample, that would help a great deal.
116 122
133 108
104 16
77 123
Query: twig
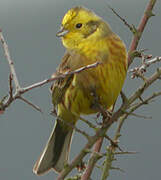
31 104
100 132
138 71
138 115
41 83
123 117
108 163
134 43
81 132
76 129
118 169
146 101
133 46
125 152
97 146
91 125
10 86
149 81
131 27
20 90
113 143
93 159
10 62
120 113
123 97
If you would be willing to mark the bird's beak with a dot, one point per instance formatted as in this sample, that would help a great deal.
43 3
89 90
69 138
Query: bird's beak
62 32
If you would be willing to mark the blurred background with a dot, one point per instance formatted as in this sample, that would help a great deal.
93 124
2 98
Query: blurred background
29 28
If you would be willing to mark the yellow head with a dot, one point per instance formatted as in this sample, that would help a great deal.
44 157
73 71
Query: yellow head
80 24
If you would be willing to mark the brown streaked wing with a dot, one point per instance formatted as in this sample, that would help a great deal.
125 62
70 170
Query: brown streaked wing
70 62
59 86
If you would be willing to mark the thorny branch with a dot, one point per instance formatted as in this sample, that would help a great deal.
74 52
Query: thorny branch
131 55
10 62
131 27
118 115
139 71
137 36
19 91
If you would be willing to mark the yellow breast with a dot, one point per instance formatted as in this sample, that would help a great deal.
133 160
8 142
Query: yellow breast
106 80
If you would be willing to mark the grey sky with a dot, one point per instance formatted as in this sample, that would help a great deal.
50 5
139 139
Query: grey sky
30 28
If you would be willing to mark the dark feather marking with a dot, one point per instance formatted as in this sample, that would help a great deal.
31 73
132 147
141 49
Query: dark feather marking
60 135
93 25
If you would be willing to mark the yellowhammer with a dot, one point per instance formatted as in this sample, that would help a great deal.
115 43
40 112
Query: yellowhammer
88 39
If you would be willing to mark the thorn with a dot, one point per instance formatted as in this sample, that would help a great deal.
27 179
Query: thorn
138 115
141 99
150 14
87 122
3 99
131 27
126 152
119 169
113 143
123 96
10 86
31 104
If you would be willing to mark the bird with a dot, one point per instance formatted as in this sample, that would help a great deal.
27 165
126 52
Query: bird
88 39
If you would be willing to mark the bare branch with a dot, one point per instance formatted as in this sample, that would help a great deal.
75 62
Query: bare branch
88 123
10 86
10 62
146 101
41 83
149 81
97 146
138 71
31 104
93 159
118 169
108 163
100 132
125 152
76 129
19 90
134 43
123 97
126 104
138 115
119 114
131 27
132 109
113 143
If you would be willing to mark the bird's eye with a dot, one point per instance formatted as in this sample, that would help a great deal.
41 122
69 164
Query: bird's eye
79 25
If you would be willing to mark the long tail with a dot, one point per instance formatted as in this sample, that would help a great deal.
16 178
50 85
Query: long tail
56 151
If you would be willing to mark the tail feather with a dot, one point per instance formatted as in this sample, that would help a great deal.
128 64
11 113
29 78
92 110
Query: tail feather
56 151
